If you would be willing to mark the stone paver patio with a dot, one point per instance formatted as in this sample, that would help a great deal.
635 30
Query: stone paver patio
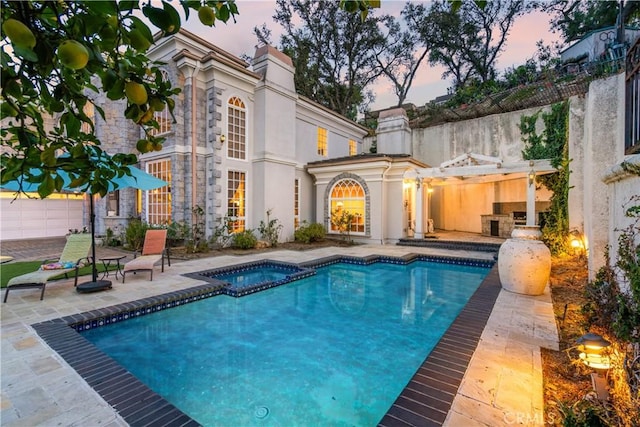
502 385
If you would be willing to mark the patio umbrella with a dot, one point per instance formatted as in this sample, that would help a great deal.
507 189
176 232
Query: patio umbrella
138 179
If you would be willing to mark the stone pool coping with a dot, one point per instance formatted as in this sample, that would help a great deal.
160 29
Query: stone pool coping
419 403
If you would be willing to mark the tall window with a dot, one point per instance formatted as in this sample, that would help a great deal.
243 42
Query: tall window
113 203
348 200
353 147
236 200
89 110
159 200
162 117
296 204
322 142
237 129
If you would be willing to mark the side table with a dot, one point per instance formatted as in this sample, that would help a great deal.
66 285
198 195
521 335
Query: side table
109 261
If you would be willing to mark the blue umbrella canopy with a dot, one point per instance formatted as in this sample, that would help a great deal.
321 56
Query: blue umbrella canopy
137 179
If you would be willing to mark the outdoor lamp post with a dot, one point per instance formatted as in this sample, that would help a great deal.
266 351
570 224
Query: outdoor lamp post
591 348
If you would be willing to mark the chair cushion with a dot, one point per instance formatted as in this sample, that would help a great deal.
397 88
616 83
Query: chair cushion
144 262
38 276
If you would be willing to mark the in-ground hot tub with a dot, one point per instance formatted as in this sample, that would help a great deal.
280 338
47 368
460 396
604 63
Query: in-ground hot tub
244 279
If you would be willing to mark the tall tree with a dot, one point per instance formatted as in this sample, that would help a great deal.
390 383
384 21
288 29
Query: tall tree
332 51
404 50
467 39
575 18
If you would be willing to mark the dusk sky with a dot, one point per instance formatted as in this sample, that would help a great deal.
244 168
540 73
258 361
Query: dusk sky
238 39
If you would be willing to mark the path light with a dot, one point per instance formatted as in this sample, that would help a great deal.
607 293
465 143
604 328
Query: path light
591 348
577 242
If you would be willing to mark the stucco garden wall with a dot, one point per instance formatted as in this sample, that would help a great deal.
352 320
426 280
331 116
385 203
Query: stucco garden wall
596 149
497 135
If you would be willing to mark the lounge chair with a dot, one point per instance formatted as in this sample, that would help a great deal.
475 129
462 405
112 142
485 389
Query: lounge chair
153 250
74 255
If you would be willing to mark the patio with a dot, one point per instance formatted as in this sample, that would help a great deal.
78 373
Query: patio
502 383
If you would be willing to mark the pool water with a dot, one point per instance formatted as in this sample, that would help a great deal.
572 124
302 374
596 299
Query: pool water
333 349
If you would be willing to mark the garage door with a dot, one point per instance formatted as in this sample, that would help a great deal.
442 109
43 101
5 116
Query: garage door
26 218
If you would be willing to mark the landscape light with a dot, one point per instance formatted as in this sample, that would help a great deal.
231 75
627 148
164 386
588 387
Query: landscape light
591 348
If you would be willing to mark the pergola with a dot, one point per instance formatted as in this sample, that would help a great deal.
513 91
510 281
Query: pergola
477 168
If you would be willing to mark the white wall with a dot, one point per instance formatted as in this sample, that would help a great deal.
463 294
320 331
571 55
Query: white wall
34 218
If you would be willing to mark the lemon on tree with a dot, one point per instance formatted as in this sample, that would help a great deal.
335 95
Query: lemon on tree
19 34
136 93
156 104
206 15
72 54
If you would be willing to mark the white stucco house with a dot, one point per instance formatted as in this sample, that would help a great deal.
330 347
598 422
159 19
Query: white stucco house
244 143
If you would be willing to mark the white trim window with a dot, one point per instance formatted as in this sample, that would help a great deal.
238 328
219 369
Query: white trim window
323 149
159 200
236 200
353 147
348 196
163 117
236 129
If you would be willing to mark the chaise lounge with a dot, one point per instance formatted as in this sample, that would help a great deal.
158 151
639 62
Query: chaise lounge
74 255
153 250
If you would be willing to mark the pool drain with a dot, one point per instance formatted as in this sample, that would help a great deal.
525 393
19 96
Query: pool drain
262 412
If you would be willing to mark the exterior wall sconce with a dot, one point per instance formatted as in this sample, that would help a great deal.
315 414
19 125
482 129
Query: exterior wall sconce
222 139
531 176
429 189
418 182
591 347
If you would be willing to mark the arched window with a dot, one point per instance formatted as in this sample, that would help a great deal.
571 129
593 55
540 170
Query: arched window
237 129
347 205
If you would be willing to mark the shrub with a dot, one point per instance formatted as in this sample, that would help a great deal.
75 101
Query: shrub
270 230
308 233
245 240
134 233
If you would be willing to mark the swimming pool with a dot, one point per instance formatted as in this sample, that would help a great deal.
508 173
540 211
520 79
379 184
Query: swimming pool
343 342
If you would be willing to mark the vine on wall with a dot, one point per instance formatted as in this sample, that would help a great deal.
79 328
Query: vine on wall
551 144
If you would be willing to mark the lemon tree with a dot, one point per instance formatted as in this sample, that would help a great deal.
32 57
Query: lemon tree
59 56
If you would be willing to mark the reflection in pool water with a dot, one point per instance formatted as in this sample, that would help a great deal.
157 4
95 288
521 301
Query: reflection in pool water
331 349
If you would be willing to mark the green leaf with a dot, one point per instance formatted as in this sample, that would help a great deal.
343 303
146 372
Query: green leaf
46 187
158 17
12 88
117 90
174 18
106 7
25 53
223 13
72 126
455 5
48 157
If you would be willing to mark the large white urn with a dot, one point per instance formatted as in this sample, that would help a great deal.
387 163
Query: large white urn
524 261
